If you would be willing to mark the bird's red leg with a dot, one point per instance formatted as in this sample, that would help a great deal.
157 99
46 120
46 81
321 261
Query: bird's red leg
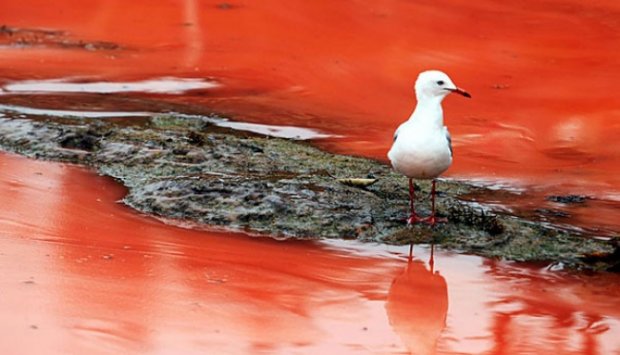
432 220
410 252
413 217
431 260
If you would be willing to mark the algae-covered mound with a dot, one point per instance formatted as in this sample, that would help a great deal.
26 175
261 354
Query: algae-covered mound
183 167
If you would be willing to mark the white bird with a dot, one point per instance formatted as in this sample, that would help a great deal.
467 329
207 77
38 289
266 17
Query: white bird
422 147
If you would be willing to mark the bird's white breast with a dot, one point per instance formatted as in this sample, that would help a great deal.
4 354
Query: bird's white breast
420 150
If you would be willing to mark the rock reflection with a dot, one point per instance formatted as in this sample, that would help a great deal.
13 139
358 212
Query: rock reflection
417 305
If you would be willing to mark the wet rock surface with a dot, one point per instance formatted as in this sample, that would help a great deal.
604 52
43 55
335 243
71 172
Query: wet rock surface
185 169
568 199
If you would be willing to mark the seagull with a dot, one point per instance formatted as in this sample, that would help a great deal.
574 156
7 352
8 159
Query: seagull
422 147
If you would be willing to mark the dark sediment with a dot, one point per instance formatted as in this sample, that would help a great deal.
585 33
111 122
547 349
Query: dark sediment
181 167
567 199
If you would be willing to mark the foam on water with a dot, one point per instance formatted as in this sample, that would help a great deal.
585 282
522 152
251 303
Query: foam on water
69 113
164 85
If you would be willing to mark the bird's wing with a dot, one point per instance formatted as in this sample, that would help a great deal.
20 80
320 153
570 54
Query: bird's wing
449 138
398 130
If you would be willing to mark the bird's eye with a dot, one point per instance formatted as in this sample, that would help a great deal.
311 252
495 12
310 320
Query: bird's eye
440 82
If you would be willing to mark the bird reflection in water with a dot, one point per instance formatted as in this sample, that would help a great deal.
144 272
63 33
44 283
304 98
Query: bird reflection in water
417 305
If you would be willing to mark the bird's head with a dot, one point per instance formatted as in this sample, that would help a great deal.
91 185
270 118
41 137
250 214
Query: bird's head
435 83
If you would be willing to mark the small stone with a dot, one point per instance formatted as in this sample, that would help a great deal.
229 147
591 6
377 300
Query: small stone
179 151
195 156
567 199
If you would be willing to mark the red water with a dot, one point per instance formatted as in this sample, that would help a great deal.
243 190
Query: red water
83 274
543 75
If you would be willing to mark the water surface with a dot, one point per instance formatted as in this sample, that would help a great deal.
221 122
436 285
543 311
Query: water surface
85 274
543 75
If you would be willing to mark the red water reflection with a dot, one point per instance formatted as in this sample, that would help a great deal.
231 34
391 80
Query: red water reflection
83 274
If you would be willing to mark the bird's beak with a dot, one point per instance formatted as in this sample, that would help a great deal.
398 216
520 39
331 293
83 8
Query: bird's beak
461 92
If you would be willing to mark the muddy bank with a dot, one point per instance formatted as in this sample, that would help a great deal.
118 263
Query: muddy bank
184 168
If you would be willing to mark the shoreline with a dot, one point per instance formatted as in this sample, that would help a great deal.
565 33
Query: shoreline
186 168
